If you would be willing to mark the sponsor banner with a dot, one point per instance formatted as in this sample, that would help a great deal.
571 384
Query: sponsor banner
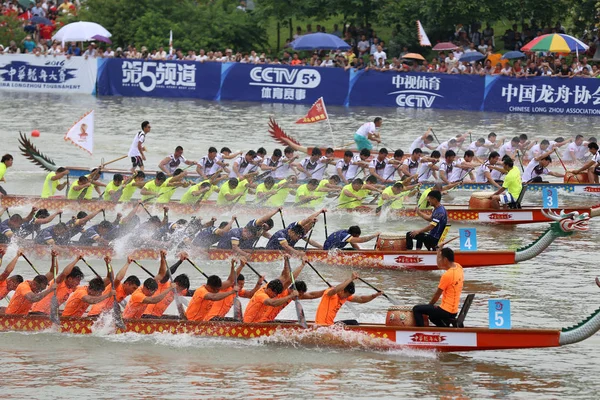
464 339
283 84
118 77
537 95
405 260
588 189
49 74
416 90
505 216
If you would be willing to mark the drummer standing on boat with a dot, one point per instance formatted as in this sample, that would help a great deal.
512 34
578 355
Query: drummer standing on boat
367 133
137 149
449 288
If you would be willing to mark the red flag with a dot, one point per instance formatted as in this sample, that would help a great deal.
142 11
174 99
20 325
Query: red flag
316 113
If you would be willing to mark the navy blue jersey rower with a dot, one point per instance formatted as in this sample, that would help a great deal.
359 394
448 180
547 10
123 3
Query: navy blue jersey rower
206 237
430 234
339 239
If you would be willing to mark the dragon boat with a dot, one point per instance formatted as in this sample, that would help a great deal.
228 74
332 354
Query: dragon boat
390 252
456 213
589 189
397 333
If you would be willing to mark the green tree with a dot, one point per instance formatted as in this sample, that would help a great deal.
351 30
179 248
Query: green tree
147 23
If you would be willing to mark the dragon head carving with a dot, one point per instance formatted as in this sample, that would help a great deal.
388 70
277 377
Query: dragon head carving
567 223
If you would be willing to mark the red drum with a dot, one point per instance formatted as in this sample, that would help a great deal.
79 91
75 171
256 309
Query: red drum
480 200
387 242
402 316
581 178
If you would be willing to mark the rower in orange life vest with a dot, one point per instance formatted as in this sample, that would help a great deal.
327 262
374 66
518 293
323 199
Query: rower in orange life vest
27 293
182 285
449 288
9 283
205 297
220 308
122 289
85 296
334 298
67 281
145 295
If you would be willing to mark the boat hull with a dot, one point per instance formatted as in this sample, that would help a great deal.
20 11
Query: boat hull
372 337
455 213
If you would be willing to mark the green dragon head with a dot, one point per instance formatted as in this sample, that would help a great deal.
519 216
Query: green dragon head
567 224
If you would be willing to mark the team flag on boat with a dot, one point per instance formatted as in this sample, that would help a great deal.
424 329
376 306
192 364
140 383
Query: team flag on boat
317 113
81 133
423 39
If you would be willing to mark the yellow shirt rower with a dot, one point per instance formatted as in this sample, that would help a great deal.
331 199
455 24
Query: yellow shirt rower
52 183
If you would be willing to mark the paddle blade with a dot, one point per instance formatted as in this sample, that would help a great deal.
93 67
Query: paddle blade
300 314
180 308
54 310
118 317
237 309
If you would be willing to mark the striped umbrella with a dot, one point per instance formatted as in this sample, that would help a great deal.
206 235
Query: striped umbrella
555 43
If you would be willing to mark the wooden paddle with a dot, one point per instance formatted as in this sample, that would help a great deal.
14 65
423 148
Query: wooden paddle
563 165
435 136
118 317
90 267
54 316
30 263
237 304
520 162
325 224
113 161
299 309
393 301
143 268
198 269
282 220
309 236
178 302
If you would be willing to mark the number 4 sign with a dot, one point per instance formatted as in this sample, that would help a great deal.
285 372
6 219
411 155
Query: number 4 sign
550 198
499 313
468 239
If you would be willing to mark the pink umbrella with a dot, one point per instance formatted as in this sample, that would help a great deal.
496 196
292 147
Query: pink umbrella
445 46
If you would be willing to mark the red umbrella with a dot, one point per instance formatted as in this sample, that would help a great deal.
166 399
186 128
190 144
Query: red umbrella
445 46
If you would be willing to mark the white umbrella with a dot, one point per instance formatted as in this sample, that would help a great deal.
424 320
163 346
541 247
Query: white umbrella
80 32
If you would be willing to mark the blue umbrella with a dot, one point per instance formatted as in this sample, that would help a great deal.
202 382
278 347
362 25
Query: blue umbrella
40 20
471 56
513 54
314 41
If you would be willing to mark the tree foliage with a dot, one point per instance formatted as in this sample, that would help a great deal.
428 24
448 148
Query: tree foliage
215 26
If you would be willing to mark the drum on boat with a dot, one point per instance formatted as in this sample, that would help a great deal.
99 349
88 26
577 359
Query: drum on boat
390 242
402 316
480 200
579 178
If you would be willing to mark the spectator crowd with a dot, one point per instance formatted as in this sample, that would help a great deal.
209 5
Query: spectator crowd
367 52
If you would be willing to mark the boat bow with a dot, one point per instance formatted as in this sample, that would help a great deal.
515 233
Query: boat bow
582 330
565 225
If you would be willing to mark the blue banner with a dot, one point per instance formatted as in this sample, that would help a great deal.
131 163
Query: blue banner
416 90
282 84
118 77
304 85
537 95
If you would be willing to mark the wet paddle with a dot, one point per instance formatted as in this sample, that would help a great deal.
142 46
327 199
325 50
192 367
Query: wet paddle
325 224
178 302
282 220
145 209
237 304
143 268
520 162
393 301
563 165
54 317
198 269
299 309
30 263
435 136
118 317
90 267
308 240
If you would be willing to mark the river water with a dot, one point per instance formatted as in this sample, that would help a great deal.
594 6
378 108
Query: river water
553 290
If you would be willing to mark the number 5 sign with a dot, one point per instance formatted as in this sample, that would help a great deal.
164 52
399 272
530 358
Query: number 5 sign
550 198
499 313
468 239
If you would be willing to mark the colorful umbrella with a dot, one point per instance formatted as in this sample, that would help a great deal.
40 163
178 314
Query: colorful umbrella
555 43
471 56
445 46
413 56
